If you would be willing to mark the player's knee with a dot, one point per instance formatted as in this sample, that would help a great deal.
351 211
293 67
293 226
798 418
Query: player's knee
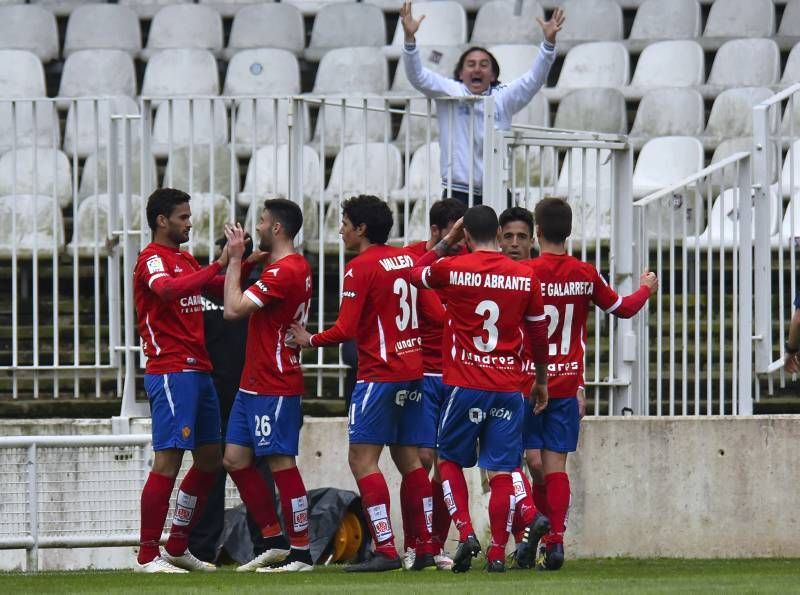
231 464
427 458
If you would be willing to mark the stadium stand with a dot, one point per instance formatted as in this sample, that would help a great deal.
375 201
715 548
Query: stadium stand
94 178
312 7
36 171
738 18
438 58
791 71
86 116
496 23
744 63
184 122
32 28
39 226
90 73
593 108
277 26
420 170
120 29
94 213
380 174
229 8
61 8
146 9
261 182
675 63
346 25
732 116
598 64
516 60
668 112
656 20
181 72
184 26
445 24
590 20
664 161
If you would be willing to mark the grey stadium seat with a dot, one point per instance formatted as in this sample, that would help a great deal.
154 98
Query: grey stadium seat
664 161
668 112
590 20
738 18
311 7
103 26
267 26
789 29
597 64
61 8
597 109
94 176
31 28
346 25
185 26
35 230
81 115
445 24
496 23
260 182
229 8
744 63
98 72
732 114
791 72
53 173
207 124
659 20
679 63
146 9
181 72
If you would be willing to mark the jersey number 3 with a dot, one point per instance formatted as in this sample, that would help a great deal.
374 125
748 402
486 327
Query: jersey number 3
491 312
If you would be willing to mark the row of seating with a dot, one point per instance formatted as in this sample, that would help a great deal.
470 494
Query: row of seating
351 24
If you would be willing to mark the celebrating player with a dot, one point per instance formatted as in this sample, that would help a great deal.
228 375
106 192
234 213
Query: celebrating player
266 415
476 73
489 298
183 402
379 310
443 215
569 287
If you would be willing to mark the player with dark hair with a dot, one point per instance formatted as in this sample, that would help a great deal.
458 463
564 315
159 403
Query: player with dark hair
266 416
489 298
569 288
477 73
183 402
379 310
443 215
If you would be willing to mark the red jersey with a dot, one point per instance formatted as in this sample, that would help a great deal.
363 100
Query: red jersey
489 297
431 327
166 290
379 310
283 294
569 287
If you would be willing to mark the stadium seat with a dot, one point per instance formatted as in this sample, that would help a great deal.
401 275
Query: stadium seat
181 72
35 229
346 25
103 26
36 170
378 123
61 8
312 7
738 18
379 175
790 227
534 171
722 230
668 112
789 29
229 8
176 173
496 23
659 20
263 72
514 61
184 26
790 176
417 231
791 72
89 73
590 20
665 161
94 213
441 59
598 64
207 128
445 24
679 63
210 213
394 5
79 133
94 174
732 114
596 109
267 26
590 198
729 146
146 9
744 63
261 182
32 28
420 173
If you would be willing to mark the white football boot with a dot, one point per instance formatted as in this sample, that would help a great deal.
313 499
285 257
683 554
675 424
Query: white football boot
268 558
160 566
189 562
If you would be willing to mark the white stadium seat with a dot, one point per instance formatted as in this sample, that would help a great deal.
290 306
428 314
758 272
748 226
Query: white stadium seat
445 24
416 230
790 176
730 146
176 174
181 72
497 23
184 26
746 63
590 198
81 114
146 9
664 161
723 219
422 170
590 20
679 63
261 182
229 8
789 29
61 8
94 175
171 127
210 213
103 26
36 170
441 59
378 123
379 175
267 26
597 109
346 25
659 20
31 28
791 72
98 72
668 112
92 220
732 114
35 229
598 64
515 61
416 126
738 18
311 7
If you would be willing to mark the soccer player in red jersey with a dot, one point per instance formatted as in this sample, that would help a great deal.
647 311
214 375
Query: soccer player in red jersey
569 288
379 310
489 298
442 216
266 416
183 402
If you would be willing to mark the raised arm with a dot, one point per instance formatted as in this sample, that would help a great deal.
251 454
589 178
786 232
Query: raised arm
625 306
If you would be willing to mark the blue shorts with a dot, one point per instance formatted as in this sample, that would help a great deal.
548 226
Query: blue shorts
555 429
269 425
386 413
434 394
492 418
185 409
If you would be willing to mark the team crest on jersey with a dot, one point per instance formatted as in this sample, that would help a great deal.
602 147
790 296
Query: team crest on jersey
349 274
178 269
155 265
186 432
274 271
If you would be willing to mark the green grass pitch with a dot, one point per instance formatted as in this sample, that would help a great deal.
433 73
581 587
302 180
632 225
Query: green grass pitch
577 576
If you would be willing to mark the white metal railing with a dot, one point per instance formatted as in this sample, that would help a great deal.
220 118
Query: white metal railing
76 491
697 235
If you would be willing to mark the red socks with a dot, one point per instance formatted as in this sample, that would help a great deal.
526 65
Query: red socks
155 504
441 516
294 504
501 515
558 495
375 501
524 507
456 497
540 499
257 497
408 531
419 509
192 496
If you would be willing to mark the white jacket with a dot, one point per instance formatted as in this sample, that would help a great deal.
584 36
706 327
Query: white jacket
508 100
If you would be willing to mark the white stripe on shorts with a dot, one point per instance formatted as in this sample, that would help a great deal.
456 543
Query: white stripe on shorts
366 396
169 394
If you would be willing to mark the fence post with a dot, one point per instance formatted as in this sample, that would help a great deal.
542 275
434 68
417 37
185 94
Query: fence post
297 126
761 182
493 154
745 338
32 561
625 356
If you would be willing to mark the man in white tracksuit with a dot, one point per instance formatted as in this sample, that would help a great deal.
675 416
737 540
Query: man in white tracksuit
476 73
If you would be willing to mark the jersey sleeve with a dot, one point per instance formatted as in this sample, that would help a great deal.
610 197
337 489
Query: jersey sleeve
434 276
354 295
154 273
426 81
536 323
611 303
431 307
271 285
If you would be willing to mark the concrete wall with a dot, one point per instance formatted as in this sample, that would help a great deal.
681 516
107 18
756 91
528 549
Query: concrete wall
675 487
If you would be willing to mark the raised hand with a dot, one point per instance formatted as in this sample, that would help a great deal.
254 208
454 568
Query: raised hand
236 241
410 24
650 281
549 28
